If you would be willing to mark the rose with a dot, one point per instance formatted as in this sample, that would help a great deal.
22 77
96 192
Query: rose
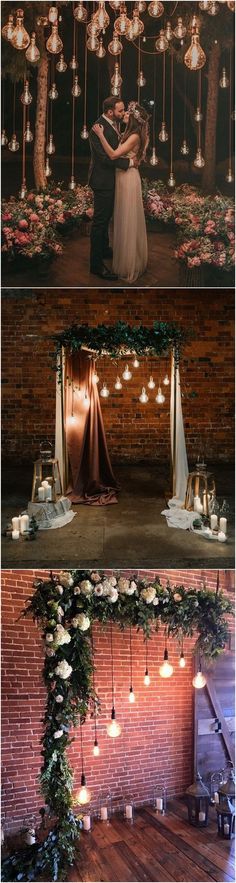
50 652
77 590
155 602
113 595
33 217
59 698
49 638
81 621
86 587
61 636
23 224
59 590
123 585
131 589
58 734
63 670
95 577
148 594
177 597
65 579
98 590
108 585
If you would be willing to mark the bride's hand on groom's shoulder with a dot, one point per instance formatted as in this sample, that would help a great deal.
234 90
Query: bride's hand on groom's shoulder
98 129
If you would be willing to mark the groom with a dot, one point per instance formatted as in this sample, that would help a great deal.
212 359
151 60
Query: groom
102 181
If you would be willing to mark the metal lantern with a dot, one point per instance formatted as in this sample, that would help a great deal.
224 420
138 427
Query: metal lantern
105 807
216 782
228 788
226 818
46 476
159 799
198 799
200 489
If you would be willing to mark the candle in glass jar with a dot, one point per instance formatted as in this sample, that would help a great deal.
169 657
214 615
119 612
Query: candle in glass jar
15 534
216 797
226 828
48 492
214 522
104 813
202 816
198 507
129 811
86 823
41 494
223 525
159 803
15 523
24 523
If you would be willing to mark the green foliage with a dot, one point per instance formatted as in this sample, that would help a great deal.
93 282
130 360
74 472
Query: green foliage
120 339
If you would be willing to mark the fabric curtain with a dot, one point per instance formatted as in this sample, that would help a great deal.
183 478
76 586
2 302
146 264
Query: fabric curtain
91 477
181 462
59 429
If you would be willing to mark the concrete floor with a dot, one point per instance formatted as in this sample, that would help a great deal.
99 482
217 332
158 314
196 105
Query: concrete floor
131 533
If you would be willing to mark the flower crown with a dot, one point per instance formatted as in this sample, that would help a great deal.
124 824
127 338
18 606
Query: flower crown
133 108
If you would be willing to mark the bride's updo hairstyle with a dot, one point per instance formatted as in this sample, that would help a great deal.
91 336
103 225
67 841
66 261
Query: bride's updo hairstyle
138 124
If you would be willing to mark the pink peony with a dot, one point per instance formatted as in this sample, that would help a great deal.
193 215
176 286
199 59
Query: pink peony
33 217
23 225
7 216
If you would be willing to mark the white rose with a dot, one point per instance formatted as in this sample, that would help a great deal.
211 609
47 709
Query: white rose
65 579
60 611
107 586
123 585
77 590
86 587
95 577
81 621
63 670
113 581
113 595
98 590
131 589
49 638
155 602
59 590
50 652
148 594
61 636
58 734
59 698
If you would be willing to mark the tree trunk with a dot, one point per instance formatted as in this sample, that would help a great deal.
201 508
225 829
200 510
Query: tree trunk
209 172
40 125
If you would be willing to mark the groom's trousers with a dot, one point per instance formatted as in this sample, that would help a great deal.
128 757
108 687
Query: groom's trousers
103 211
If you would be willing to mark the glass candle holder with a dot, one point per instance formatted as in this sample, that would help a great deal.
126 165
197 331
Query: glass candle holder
87 819
105 808
128 809
160 799
216 782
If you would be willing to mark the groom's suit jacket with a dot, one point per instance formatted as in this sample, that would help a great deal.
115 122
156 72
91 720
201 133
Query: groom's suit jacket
102 169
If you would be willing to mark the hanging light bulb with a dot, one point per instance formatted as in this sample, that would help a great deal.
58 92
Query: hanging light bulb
166 669
28 135
143 398
195 57
166 381
72 183
32 53
168 32
84 134
96 749
180 30
171 180
104 392
198 116
122 23
199 681
83 796
154 158
131 696
53 15
147 679
229 177
115 5
20 38
151 383
26 97
182 660
76 90
101 17
140 6
199 161
23 191
61 65
213 8
54 43
113 728
50 148
4 138
73 63
115 90
136 362
93 42
80 13
116 79
155 9
204 5
224 80
115 47
95 377
48 170
118 384
137 24
141 81
160 398
127 373
13 144
163 134
53 93
8 29
161 43
101 52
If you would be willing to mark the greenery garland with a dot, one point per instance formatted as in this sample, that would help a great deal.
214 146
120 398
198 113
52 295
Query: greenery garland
65 606
120 339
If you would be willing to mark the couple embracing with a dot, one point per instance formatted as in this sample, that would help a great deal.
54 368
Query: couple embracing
114 177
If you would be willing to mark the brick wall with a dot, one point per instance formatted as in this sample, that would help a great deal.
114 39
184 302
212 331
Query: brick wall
157 738
133 431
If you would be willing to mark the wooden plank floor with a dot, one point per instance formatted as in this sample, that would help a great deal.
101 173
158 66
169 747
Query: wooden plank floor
155 848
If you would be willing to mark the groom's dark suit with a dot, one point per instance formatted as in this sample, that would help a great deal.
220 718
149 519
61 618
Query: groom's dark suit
102 181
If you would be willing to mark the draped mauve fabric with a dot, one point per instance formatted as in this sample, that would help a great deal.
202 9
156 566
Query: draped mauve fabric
91 477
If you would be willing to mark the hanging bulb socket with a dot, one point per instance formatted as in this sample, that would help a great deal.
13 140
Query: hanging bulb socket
4 138
131 696
182 660
113 728
96 749
72 183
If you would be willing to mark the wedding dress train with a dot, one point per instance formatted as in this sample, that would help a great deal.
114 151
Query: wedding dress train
130 250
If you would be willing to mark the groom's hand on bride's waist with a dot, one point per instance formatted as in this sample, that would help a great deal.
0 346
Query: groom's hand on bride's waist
134 163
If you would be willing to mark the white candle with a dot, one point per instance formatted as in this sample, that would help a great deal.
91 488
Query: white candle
15 523
129 811
223 525
41 493
205 497
214 522
221 537
202 816
198 507
159 803
15 534
86 823
24 523
216 797
48 492
45 483
30 837
226 828
103 813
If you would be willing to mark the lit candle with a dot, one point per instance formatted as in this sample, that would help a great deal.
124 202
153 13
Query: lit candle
86 823
214 522
41 493
216 797
226 828
24 523
15 534
202 816
223 525
104 813
15 523
129 811
48 492
159 803
221 537
30 837
45 483
198 507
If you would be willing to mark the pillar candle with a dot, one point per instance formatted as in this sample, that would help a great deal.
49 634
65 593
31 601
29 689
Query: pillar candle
198 507
15 523
226 828
216 797
24 523
103 813
86 823
41 493
45 483
15 534
223 525
48 493
129 811
202 816
221 537
205 497
159 803
214 522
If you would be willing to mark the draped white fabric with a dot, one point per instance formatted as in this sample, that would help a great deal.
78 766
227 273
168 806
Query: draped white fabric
181 462
59 432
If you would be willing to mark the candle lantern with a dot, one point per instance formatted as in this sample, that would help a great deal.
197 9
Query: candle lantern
46 486
87 819
105 808
201 489
227 789
198 799
128 808
216 782
160 799
226 818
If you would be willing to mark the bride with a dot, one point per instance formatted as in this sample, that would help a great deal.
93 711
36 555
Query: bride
130 253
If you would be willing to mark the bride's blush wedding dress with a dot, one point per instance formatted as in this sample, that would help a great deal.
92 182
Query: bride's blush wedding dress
130 250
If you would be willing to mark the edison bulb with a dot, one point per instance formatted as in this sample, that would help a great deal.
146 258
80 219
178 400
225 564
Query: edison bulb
161 43
168 32
32 53
143 398
104 392
50 148
115 46
4 138
199 161
116 79
72 183
96 749
131 696
155 9
147 679
13 144
53 93
195 57
95 377
229 177
137 25
171 180
166 669
20 38
61 65
84 134
180 30
101 52
8 29
160 398
48 170
224 80
80 13
26 97
182 660
166 381
76 90
113 729
199 681
154 158
136 362
53 14
163 134
83 796
54 43
185 151
28 135
127 373
73 63
101 17
151 383
141 81
198 116
118 384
